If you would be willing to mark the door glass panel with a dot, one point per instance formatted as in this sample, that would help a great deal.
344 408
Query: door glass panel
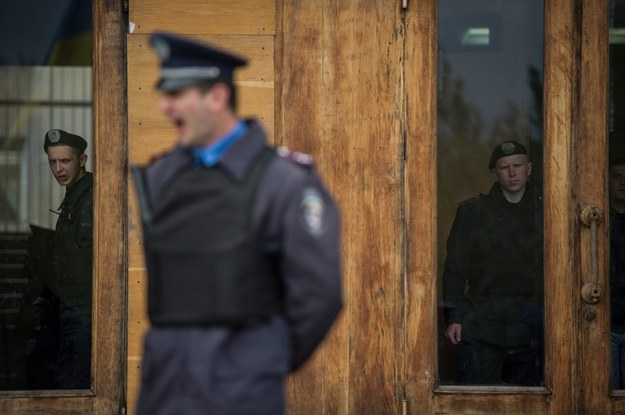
45 247
617 190
490 89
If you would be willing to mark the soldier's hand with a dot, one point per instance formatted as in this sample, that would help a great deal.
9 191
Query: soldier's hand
454 333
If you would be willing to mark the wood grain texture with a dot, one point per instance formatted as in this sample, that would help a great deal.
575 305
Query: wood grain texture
419 369
341 103
560 268
592 174
110 207
217 17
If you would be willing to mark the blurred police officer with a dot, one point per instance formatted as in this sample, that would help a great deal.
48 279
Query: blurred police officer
242 249
73 256
492 278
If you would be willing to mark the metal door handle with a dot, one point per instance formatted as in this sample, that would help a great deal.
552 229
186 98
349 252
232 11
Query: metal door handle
592 292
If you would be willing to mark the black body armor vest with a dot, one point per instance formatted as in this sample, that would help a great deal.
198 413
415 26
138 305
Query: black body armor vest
204 265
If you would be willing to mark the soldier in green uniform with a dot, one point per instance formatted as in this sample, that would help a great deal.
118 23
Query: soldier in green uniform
73 256
493 279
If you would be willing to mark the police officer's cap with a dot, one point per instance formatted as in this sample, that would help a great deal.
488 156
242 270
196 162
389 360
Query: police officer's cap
184 62
505 149
58 137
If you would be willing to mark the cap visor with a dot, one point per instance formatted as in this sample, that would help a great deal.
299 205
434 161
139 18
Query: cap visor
170 85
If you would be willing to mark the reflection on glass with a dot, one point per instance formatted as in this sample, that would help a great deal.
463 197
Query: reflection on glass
616 188
45 196
490 135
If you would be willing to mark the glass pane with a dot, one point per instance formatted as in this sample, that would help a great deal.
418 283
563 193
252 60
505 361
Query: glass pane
617 190
490 232
45 198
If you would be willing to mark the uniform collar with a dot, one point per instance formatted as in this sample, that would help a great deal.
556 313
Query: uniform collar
497 194
74 193
240 155
211 155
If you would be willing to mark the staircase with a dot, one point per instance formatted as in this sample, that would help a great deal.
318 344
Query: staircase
16 296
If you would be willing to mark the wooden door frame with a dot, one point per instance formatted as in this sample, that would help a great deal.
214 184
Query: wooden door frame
107 394
571 85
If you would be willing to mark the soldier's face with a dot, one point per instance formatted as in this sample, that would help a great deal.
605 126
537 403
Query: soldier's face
66 165
512 172
617 183
193 115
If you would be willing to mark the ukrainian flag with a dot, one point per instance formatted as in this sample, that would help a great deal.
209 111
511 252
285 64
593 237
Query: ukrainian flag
72 44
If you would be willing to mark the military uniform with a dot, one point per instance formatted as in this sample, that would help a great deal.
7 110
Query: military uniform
493 285
73 249
73 245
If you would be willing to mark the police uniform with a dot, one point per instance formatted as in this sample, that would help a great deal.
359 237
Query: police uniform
492 283
73 245
242 252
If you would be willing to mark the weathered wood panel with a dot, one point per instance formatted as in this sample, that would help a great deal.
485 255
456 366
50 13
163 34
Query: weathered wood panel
341 102
592 175
513 403
559 181
110 207
138 325
243 17
419 371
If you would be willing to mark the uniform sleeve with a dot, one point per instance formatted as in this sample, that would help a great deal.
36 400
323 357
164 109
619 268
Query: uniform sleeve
455 268
84 230
310 262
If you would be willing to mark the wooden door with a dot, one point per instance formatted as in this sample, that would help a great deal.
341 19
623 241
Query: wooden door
574 175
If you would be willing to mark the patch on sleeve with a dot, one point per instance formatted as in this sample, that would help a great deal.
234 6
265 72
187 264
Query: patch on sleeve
300 158
312 211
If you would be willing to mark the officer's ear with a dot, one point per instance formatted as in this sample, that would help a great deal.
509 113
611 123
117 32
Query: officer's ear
82 160
221 96
529 168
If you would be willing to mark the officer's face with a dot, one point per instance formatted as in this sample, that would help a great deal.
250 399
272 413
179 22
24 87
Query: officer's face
66 165
194 114
617 183
512 172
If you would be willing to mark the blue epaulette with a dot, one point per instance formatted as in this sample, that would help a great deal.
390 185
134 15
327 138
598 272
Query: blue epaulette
302 159
471 200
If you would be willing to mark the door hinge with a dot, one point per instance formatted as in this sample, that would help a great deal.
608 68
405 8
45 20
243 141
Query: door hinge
123 411
404 4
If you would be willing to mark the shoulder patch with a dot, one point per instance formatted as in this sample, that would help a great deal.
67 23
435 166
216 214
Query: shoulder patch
299 158
471 200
